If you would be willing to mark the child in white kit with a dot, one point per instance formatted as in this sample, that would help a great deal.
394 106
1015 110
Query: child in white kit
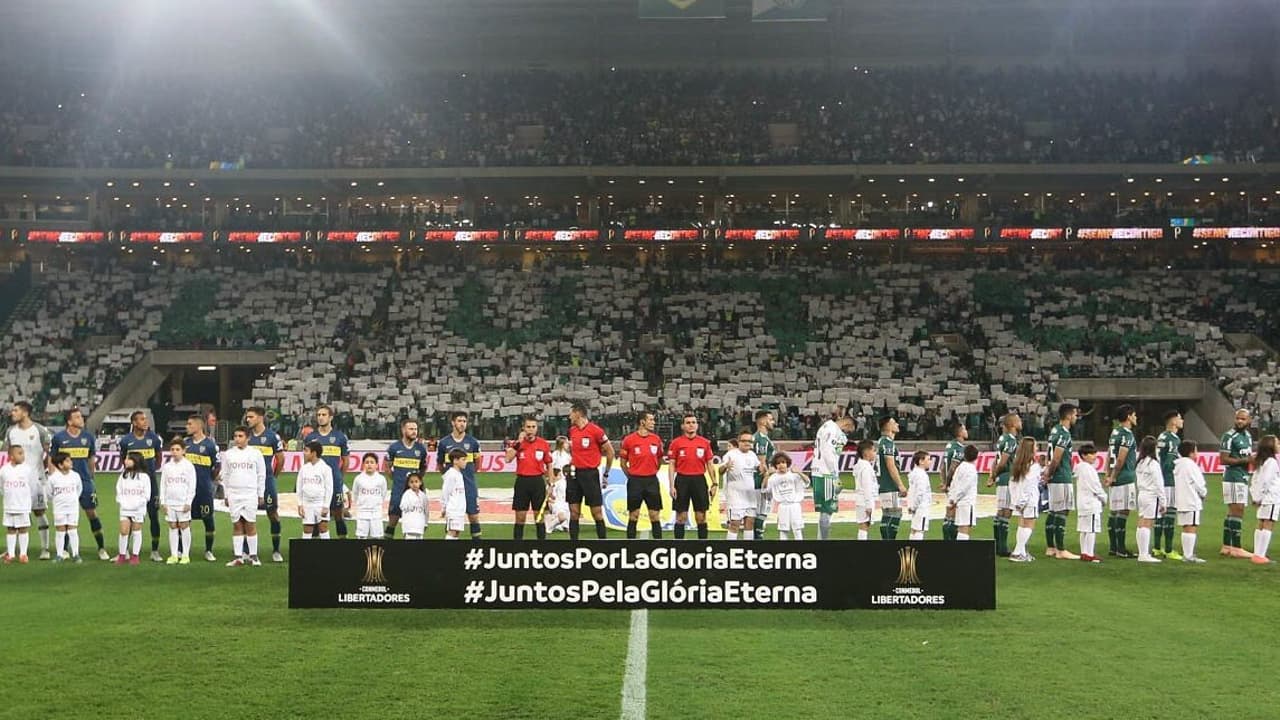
413 508
557 516
133 492
787 489
919 495
65 487
18 484
177 493
369 496
453 497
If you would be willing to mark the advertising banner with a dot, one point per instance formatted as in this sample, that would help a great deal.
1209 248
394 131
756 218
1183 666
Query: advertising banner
764 234
164 238
363 236
70 237
861 234
461 235
678 234
560 235
264 237
677 575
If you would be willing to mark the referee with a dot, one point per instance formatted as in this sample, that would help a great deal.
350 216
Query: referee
586 443
533 476
639 457
691 454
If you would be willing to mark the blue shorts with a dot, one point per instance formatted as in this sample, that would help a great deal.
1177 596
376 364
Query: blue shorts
336 502
397 491
270 498
472 492
202 503
89 496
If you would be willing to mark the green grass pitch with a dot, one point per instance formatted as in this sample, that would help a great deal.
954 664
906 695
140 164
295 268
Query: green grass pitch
1068 640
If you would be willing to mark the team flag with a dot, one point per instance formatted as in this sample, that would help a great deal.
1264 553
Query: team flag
681 9
789 10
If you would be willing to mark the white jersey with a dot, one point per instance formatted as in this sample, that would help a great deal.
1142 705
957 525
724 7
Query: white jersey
741 468
1150 478
787 487
18 485
244 475
133 492
368 493
452 494
414 503
557 494
33 441
560 460
1025 492
315 484
1090 496
64 492
963 489
919 491
1264 488
177 484
828 446
1189 489
865 485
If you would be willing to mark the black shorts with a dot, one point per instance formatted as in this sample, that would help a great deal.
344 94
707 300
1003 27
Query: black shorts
691 489
643 489
530 493
584 486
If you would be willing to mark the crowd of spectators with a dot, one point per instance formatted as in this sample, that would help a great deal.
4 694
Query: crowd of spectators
631 117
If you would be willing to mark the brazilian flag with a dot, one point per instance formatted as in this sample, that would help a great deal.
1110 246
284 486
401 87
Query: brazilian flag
788 10
681 9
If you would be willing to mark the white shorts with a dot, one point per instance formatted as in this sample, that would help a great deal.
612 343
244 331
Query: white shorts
244 510
17 520
1168 496
177 516
1150 506
313 514
741 498
39 497
1235 493
368 528
1004 497
455 522
1269 512
966 516
560 509
71 519
1030 511
134 515
738 514
790 518
1122 497
1090 523
863 511
891 500
920 521
413 523
1191 517
1062 497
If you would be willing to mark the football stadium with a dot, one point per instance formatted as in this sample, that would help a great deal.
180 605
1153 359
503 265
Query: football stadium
602 358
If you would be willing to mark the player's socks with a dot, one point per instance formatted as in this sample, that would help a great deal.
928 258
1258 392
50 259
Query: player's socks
275 534
1237 531
1022 536
475 530
237 546
999 531
758 532
253 546
730 535
894 527
1188 545
24 541
43 525
1170 524
153 516
208 532
656 530
541 530
10 543
915 535
797 534
1086 544
601 531
862 534
173 541
1261 542
342 527
631 529
136 537
388 534
73 540
184 535
95 524
1144 542
61 537
1226 531
678 530
574 529
1122 529
1112 545
1060 532
824 526
962 536
517 531
324 535
702 530
124 544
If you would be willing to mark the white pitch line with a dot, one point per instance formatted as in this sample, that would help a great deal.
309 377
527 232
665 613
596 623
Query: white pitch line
635 682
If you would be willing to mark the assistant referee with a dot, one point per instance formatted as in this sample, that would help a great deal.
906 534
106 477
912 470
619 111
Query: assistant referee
691 454
587 442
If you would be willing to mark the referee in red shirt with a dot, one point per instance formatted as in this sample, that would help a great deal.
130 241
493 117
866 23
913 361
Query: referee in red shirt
586 443
533 476
639 457
691 455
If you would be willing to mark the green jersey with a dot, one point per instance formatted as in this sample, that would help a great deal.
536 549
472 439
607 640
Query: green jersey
763 446
1007 445
1060 437
951 460
1122 437
1167 452
886 453
1236 444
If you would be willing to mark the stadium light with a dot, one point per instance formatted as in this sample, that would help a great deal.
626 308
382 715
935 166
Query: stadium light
206 368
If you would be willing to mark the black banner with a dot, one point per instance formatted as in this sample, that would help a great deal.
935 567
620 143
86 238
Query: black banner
774 574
